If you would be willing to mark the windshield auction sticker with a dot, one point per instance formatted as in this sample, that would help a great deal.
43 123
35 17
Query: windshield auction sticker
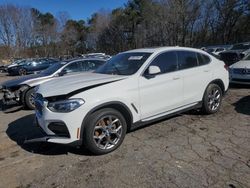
135 57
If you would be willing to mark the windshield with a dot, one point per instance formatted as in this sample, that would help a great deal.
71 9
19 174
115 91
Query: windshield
241 47
53 68
124 63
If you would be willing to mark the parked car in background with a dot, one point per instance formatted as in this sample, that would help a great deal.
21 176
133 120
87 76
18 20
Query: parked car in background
97 55
30 66
236 53
216 51
240 71
133 88
20 91
2 68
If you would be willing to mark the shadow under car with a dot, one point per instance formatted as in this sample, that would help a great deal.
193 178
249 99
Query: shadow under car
24 128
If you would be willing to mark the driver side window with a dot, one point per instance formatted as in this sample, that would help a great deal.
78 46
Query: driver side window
167 62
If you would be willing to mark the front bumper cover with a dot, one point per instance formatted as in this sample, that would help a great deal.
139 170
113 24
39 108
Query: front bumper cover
51 138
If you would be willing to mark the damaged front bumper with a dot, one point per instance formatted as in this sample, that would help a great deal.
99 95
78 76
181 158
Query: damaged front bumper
51 138
12 96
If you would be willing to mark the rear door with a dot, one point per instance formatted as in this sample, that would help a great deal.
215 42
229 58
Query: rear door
163 92
196 72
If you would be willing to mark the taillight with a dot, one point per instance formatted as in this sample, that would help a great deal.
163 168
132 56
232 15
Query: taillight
226 67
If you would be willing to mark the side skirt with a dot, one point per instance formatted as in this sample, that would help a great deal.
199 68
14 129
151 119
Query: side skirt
140 123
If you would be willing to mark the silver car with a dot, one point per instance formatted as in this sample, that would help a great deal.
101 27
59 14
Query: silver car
20 91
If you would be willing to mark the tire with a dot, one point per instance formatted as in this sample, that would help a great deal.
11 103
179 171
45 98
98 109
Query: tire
29 99
212 99
22 72
98 131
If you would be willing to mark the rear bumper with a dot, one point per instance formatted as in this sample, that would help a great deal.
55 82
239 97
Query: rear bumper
244 81
241 77
238 82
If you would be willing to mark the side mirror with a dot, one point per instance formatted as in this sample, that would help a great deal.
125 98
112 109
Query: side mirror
152 71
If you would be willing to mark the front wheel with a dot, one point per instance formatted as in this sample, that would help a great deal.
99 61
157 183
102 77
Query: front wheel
104 131
30 99
22 72
212 99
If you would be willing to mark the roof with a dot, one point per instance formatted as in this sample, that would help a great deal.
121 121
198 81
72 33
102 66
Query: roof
80 59
160 49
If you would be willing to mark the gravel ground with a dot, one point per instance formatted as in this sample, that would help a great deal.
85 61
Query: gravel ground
189 150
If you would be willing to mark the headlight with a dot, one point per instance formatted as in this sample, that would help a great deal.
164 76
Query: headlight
65 105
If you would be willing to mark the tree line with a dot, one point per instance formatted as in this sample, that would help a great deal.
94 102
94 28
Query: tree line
27 32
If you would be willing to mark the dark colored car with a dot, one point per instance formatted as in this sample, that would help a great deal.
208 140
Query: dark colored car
20 91
2 68
236 53
30 66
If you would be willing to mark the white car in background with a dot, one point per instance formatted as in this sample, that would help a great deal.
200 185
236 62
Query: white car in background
133 88
240 71
216 51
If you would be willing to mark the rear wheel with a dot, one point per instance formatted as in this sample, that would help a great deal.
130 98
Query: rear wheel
104 131
30 99
212 99
22 72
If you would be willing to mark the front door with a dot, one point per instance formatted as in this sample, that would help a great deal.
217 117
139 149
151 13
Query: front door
161 93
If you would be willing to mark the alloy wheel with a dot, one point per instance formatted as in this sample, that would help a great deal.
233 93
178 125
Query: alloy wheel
32 99
22 72
107 132
214 99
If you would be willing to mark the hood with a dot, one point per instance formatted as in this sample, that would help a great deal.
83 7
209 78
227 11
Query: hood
241 64
23 80
12 65
68 84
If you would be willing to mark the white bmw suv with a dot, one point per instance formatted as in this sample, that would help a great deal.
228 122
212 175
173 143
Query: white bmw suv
133 88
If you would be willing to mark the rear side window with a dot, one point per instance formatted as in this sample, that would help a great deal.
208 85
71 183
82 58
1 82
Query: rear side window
167 62
187 59
203 59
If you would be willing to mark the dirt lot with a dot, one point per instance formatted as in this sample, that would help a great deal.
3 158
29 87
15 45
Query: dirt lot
189 150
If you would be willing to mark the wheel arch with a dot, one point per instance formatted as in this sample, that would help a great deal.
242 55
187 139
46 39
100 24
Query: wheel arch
119 106
220 83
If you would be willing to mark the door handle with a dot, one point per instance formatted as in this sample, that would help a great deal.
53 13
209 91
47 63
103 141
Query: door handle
206 70
176 78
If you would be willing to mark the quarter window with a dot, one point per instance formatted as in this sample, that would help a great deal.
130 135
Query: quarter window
203 59
167 62
187 59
